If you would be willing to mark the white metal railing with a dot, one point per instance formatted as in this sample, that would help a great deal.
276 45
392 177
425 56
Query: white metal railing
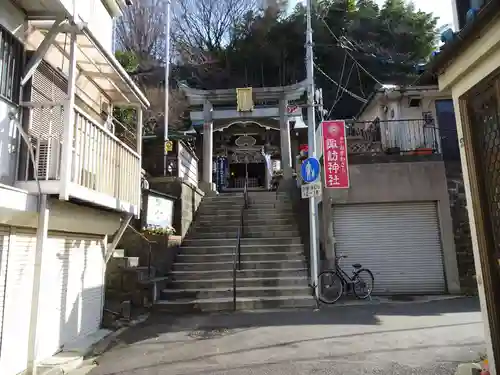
100 161
103 163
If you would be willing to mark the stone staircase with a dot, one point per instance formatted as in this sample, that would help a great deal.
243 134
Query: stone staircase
273 270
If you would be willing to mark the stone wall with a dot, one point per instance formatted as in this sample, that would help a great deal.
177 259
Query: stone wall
461 229
163 251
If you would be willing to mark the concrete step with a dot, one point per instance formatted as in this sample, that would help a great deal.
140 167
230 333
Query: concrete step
245 257
241 282
226 304
245 249
258 242
212 221
246 233
261 195
245 265
236 212
248 227
252 203
246 273
227 292
269 205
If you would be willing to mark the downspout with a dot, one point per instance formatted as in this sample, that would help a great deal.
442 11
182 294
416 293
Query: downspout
69 123
41 237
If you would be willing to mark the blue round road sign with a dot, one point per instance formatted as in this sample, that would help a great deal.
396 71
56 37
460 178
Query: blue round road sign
310 170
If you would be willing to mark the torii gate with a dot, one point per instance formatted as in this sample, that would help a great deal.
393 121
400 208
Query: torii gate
267 107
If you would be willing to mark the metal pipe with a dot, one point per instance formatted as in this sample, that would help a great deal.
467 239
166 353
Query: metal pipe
41 236
168 6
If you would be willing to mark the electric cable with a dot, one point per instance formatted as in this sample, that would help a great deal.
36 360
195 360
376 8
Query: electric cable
341 87
341 95
349 53
341 77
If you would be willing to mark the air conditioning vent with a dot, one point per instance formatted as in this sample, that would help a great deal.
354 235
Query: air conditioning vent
47 156
414 102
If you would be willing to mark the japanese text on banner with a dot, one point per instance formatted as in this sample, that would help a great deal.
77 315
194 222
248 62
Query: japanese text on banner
335 155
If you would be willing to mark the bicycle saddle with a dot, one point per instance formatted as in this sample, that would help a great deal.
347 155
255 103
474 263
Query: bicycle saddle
357 265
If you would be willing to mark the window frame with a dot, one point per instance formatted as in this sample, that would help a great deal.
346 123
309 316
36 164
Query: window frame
12 57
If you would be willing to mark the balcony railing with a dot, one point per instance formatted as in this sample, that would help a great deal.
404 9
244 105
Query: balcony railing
103 163
104 170
394 137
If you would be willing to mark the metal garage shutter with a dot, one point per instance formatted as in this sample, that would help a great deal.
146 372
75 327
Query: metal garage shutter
399 242
4 253
72 290
18 293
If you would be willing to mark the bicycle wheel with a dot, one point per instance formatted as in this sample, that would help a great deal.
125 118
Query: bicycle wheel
330 287
363 281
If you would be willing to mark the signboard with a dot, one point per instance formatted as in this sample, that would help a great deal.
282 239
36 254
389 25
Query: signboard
169 146
310 170
311 190
244 99
160 211
221 168
293 109
335 155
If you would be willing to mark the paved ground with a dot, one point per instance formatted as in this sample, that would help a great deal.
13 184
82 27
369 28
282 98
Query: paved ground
411 338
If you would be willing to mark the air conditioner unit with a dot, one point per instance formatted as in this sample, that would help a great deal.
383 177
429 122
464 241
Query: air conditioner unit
47 158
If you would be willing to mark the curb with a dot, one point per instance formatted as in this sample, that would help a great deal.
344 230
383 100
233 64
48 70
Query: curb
105 344
77 360
378 301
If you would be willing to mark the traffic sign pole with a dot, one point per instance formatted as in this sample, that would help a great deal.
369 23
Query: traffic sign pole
311 125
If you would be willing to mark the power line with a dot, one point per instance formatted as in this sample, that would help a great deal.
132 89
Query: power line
341 87
341 77
341 95
349 53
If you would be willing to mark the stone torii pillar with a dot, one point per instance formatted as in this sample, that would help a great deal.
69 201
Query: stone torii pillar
286 152
208 143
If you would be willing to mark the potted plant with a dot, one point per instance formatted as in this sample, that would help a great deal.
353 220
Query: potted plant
423 150
158 230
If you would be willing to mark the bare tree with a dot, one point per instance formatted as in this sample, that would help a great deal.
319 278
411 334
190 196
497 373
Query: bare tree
141 30
203 27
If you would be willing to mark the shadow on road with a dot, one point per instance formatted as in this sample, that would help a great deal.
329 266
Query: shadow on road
186 344
213 325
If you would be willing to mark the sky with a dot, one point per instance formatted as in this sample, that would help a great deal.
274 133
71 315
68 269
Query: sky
440 8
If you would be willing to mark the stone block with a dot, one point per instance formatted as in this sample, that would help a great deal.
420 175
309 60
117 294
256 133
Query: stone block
129 281
132 262
114 280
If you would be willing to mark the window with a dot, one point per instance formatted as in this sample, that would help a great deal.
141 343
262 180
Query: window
11 64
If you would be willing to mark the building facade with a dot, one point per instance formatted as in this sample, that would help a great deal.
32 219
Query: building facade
395 218
70 174
468 66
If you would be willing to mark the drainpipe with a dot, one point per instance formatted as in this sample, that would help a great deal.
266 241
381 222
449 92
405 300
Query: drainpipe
41 237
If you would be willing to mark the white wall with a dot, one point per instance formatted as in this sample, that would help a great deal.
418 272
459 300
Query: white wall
11 18
96 15
188 166
370 112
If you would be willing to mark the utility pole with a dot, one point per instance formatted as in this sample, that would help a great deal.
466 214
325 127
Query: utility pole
168 6
311 127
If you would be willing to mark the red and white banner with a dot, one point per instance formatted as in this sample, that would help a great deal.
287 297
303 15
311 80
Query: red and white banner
335 155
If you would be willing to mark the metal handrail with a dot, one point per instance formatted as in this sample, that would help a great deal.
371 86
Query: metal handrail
237 249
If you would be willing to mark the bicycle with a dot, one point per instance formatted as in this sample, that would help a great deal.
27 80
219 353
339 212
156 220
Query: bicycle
328 280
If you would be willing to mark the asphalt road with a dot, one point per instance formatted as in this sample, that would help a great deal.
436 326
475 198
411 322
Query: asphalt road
410 338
